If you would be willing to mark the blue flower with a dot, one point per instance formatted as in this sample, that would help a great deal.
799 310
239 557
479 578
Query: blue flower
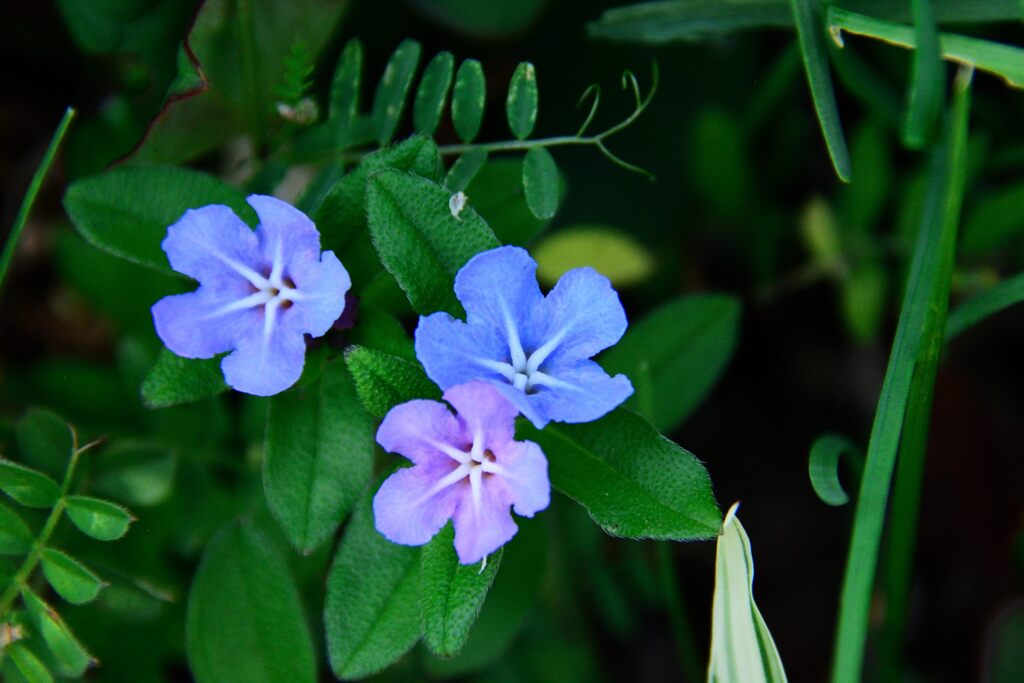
259 292
536 350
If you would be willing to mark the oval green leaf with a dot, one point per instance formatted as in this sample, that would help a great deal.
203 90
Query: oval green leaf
468 98
372 614
634 482
384 380
433 93
97 518
245 620
611 252
389 100
175 380
319 456
72 580
521 105
27 486
27 664
344 102
15 536
72 658
540 183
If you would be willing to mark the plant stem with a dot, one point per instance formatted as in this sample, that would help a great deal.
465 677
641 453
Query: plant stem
689 659
33 190
20 578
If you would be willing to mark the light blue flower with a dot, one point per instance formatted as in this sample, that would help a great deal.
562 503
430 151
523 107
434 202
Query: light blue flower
259 292
536 350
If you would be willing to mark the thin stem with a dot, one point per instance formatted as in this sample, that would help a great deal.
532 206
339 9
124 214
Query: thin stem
20 578
33 190
689 659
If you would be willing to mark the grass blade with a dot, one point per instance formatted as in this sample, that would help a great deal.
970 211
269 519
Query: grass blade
922 318
970 313
924 100
815 52
33 190
1005 61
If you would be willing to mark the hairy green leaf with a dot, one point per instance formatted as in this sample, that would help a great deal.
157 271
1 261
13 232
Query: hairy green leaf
26 663
468 99
521 105
433 93
71 656
540 183
418 239
72 580
245 620
100 519
175 380
389 100
384 380
319 456
15 536
27 486
634 482
372 614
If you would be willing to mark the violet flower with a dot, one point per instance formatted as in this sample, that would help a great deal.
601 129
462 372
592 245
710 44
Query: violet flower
466 467
536 350
259 292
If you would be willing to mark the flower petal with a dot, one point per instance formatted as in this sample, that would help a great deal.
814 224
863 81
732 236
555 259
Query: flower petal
264 365
524 403
585 315
286 235
499 288
212 244
197 324
524 470
485 411
413 429
322 285
580 393
481 528
403 512
453 352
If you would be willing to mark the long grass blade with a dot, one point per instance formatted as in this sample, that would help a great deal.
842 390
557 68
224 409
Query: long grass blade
970 313
924 99
922 318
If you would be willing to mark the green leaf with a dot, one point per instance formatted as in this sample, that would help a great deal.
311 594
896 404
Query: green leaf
72 580
389 100
924 98
127 211
451 594
100 519
384 380
540 183
45 441
433 92
973 311
823 467
245 620
921 323
742 648
634 482
344 102
418 239
175 380
811 33
496 192
468 99
465 169
676 354
319 456
372 614
15 536
1005 61
611 252
69 653
521 105
26 663
27 486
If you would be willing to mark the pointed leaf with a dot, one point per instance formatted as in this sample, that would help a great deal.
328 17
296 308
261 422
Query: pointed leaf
372 614
319 456
15 536
634 482
245 620
433 93
27 486
97 518
468 99
465 168
344 103
418 239
540 183
389 101
27 664
72 580
384 380
126 211
451 594
175 380
69 653
45 441
521 105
